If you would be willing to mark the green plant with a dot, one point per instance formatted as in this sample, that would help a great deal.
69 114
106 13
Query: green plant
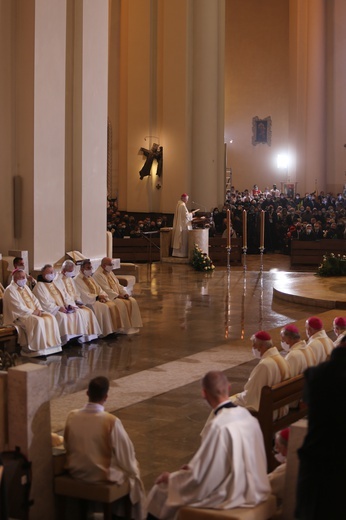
201 261
332 265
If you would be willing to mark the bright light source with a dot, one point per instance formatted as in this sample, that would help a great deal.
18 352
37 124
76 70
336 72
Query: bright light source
282 161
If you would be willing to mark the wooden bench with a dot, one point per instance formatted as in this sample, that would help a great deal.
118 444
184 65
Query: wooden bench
272 399
104 492
311 253
137 250
218 251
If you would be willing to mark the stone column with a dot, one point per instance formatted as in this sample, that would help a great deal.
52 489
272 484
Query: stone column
208 175
29 428
86 156
38 76
307 126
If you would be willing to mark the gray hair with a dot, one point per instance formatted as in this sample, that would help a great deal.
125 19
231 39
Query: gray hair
67 264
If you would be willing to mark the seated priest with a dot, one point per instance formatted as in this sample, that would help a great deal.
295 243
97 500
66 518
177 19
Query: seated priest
65 281
38 331
55 300
321 345
18 263
299 356
111 315
228 470
271 369
109 283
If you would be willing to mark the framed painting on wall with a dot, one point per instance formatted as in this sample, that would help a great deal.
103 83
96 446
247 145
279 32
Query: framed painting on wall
261 130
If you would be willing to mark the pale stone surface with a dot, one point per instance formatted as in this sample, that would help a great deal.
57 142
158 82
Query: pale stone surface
200 237
29 428
298 431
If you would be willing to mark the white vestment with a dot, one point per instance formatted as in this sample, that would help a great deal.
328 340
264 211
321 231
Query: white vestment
229 469
73 296
271 369
299 357
52 297
321 345
181 225
112 315
38 335
110 284
339 338
98 448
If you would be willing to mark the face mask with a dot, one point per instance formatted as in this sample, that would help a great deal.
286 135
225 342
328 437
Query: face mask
21 283
256 353
280 458
308 231
88 272
49 277
109 268
69 274
285 345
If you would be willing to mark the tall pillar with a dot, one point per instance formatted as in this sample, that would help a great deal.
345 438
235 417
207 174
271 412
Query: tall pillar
29 428
208 176
307 128
86 157
39 28
336 100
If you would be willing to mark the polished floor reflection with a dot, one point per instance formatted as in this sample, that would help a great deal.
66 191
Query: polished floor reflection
193 322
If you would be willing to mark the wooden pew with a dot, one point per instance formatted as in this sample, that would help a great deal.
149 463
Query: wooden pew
272 399
311 253
218 251
137 250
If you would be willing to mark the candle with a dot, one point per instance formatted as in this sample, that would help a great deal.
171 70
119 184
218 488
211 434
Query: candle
262 229
228 228
244 228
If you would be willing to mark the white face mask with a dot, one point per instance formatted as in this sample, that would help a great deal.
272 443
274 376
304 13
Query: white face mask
285 345
21 283
256 353
88 272
49 277
69 274
109 268
280 458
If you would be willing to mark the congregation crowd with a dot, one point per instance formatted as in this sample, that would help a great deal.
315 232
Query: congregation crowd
288 216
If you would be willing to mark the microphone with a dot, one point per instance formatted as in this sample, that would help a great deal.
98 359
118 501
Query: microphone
200 205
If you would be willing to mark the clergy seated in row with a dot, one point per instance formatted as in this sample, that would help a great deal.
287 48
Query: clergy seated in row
339 327
54 299
109 283
112 315
229 468
18 263
38 331
271 369
321 345
299 355
65 281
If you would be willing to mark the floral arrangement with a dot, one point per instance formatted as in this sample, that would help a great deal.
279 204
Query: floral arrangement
201 261
332 265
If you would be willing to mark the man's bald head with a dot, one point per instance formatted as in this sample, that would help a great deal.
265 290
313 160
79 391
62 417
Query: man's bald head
215 386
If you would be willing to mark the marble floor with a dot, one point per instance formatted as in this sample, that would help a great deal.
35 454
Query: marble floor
193 322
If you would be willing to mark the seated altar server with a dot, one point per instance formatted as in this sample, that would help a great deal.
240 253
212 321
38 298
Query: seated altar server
107 280
228 470
54 299
38 331
111 315
65 281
